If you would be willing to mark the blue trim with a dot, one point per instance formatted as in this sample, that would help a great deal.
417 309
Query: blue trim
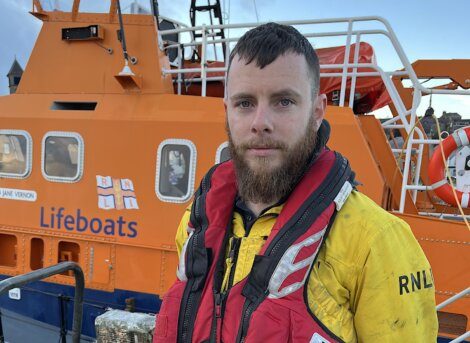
41 301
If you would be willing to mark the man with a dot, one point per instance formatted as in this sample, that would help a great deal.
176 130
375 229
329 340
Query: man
280 248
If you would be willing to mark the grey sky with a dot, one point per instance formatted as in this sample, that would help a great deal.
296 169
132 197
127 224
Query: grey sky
426 28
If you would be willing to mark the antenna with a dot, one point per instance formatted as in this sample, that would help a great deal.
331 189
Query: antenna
126 70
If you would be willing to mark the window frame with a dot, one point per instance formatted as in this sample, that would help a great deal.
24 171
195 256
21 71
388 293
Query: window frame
80 159
29 154
191 170
218 153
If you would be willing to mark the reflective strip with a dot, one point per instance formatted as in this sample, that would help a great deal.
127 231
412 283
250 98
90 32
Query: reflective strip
460 138
343 195
464 201
439 184
286 267
181 270
457 140
317 338
463 137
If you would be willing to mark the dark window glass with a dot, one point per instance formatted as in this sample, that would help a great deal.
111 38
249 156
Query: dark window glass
68 252
13 154
8 247
37 254
174 171
61 157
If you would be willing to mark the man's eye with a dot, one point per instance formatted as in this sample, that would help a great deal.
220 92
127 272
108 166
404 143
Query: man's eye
285 102
244 104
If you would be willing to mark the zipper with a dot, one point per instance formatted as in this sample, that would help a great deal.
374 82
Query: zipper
219 302
245 320
220 298
233 255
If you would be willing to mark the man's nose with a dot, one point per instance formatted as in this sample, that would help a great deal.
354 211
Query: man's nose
262 121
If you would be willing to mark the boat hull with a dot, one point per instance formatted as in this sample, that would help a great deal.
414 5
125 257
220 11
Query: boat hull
49 305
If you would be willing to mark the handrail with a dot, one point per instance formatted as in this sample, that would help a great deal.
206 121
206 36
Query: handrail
461 338
407 117
450 301
21 280
453 298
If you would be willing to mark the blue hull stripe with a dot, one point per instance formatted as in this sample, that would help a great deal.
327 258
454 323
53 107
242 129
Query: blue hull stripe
41 301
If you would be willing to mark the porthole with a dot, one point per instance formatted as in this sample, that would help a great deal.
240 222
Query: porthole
176 166
62 156
15 154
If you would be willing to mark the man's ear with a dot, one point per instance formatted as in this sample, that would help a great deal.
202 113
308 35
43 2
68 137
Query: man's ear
319 109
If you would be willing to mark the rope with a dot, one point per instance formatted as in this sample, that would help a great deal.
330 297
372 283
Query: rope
405 143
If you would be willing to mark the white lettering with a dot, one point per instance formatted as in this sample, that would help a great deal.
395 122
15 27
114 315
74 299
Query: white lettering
17 194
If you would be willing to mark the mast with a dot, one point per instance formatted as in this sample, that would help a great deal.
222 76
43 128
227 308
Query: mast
215 12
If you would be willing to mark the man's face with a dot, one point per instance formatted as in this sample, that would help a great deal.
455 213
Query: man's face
271 114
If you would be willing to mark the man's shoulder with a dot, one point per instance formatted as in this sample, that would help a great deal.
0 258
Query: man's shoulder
360 207
360 226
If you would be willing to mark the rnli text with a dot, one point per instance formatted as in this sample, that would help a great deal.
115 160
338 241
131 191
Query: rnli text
415 281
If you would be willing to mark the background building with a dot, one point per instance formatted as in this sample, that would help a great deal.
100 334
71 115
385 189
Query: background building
14 76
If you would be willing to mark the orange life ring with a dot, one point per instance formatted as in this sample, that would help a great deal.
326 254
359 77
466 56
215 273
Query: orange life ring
436 172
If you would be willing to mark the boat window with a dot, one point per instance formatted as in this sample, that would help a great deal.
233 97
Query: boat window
73 106
223 153
176 164
8 250
135 7
57 5
62 156
15 153
36 260
93 6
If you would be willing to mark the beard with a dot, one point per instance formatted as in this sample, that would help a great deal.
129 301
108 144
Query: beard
263 183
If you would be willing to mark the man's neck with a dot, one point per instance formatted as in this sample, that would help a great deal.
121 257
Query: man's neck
257 208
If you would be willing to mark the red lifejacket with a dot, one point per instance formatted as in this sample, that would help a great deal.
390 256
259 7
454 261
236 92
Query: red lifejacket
270 304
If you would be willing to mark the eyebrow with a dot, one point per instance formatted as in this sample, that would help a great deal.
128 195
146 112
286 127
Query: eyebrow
288 92
240 96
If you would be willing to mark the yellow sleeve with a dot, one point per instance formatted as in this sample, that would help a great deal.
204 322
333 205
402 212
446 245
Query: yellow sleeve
182 233
371 281
394 299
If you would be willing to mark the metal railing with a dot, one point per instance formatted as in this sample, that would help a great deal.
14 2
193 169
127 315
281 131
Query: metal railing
450 301
21 280
406 118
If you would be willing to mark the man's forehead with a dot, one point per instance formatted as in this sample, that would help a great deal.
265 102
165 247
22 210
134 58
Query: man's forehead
288 72
288 58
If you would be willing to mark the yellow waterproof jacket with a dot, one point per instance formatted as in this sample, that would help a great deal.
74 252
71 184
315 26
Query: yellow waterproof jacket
371 281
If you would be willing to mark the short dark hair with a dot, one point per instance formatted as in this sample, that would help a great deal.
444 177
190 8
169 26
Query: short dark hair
266 42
